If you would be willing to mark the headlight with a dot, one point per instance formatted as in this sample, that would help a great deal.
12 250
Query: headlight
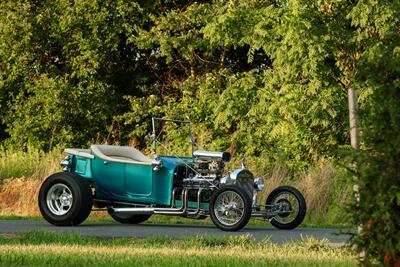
259 184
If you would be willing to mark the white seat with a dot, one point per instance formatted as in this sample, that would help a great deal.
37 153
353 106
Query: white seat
121 154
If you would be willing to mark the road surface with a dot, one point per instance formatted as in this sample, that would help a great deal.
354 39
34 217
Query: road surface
110 230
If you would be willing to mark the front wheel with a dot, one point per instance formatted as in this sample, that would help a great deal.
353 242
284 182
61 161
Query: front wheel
290 205
230 208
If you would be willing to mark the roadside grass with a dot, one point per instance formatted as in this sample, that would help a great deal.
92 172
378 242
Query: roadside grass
47 249
29 163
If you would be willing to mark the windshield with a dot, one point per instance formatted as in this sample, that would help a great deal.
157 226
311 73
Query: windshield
172 137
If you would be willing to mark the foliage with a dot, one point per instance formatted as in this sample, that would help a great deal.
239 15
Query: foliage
31 163
378 80
103 69
235 78
65 67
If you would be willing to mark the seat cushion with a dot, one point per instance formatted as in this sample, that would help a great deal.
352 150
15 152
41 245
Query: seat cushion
123 154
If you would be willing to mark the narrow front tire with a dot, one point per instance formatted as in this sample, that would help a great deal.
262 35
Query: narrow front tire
291 206
230 208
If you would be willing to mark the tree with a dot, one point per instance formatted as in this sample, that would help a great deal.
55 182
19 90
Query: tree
377 40
65 68
273 91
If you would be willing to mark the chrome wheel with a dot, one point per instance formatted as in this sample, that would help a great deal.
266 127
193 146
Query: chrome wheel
59 199
288 207
229 208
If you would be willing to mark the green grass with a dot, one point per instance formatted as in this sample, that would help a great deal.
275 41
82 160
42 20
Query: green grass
49 249
15 217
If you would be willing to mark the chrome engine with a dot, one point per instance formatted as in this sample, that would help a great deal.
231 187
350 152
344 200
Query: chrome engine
208 168
208 171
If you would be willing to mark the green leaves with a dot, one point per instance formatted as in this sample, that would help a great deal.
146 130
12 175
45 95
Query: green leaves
67 66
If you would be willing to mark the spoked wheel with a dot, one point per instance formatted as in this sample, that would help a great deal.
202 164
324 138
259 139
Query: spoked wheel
291 207
65 199
230 208
129 218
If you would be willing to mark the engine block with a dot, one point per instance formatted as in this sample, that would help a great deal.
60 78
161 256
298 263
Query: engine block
208 168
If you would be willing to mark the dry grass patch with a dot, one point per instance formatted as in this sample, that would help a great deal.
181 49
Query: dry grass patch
21 175
19 197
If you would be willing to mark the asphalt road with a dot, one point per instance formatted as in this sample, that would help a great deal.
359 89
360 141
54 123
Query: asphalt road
109 230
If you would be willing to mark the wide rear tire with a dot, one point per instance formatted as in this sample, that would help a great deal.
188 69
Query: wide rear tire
65 199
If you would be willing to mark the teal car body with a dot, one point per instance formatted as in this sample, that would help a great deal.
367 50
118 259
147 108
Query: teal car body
126 182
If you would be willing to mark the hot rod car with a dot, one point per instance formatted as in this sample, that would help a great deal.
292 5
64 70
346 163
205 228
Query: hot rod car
132 187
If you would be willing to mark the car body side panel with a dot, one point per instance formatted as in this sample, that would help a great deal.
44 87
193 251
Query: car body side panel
82 166
163 179
162 186
138 180
109 179
129 182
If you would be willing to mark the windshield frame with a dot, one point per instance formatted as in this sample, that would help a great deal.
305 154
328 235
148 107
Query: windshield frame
154 134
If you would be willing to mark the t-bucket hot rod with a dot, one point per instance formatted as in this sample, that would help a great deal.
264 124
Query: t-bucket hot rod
132 187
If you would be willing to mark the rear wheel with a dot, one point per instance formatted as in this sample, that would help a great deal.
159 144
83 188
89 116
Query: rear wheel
65 199
291 206
129 218
230 208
